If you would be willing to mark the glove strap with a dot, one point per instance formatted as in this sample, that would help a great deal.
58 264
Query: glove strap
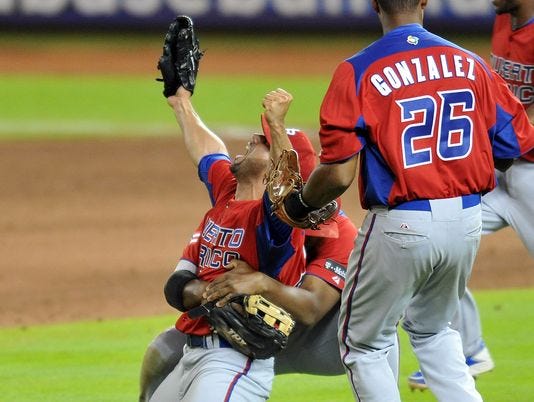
201 311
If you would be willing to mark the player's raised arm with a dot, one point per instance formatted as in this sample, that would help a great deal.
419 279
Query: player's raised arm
199 139
276 104
179 67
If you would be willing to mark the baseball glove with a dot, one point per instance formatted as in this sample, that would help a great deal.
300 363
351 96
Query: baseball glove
251 324
181 54
284 184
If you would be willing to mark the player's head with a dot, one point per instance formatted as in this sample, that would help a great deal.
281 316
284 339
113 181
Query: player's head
506 6
253 164
301 144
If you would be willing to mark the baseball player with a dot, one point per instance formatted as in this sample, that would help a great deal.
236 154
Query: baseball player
238 226
510 203
425 118
313 346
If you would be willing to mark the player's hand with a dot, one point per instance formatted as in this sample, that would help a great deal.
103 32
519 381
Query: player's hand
276 104
240 279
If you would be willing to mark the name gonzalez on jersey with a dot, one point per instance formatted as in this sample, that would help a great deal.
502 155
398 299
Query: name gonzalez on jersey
421 69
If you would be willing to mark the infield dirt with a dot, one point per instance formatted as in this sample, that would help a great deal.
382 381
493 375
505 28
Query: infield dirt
91 229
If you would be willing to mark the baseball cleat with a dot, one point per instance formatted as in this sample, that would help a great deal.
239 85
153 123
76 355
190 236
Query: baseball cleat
479 363
417 381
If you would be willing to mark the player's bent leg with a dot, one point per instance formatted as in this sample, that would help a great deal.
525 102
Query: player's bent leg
160 358
467 322
444 367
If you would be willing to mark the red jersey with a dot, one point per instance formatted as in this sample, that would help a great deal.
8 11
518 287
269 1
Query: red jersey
329 257
238 229
512 56
425 116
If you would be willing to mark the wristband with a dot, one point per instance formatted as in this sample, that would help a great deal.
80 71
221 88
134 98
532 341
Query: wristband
295 206
174 288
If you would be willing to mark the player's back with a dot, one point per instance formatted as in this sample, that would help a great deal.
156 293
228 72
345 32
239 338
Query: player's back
427 108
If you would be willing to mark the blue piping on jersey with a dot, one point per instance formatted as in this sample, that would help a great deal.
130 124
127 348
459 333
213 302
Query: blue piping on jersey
502 135
203 170
273 242
530 21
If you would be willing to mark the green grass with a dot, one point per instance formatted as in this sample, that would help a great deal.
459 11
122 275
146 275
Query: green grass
53 106
99 361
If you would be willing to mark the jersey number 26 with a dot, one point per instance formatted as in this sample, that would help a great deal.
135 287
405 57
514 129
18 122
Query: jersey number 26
449 124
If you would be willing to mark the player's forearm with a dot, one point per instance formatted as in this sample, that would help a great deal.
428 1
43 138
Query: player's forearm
199 139
276 104
183 290
328 182
192 293
280 141
300 303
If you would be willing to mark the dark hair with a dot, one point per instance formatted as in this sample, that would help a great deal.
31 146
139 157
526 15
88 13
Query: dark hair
398 6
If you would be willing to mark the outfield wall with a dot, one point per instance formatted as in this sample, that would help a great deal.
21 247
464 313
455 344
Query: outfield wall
464 15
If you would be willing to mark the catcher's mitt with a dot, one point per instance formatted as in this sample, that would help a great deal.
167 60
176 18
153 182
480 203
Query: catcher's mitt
181 54
251 324
284 184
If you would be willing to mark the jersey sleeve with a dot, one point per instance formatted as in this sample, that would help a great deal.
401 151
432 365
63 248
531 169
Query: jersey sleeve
332 255
340 117
513 134
214 172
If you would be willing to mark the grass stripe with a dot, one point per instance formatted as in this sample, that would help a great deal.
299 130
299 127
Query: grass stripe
47 106
100 360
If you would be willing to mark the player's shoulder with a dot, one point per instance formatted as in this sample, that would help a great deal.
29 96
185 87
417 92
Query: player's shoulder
406 39
207 161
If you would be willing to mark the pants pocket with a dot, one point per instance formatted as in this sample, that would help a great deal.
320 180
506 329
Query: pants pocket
404 238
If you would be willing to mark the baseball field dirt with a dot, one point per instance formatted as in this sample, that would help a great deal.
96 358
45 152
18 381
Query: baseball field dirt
91 228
